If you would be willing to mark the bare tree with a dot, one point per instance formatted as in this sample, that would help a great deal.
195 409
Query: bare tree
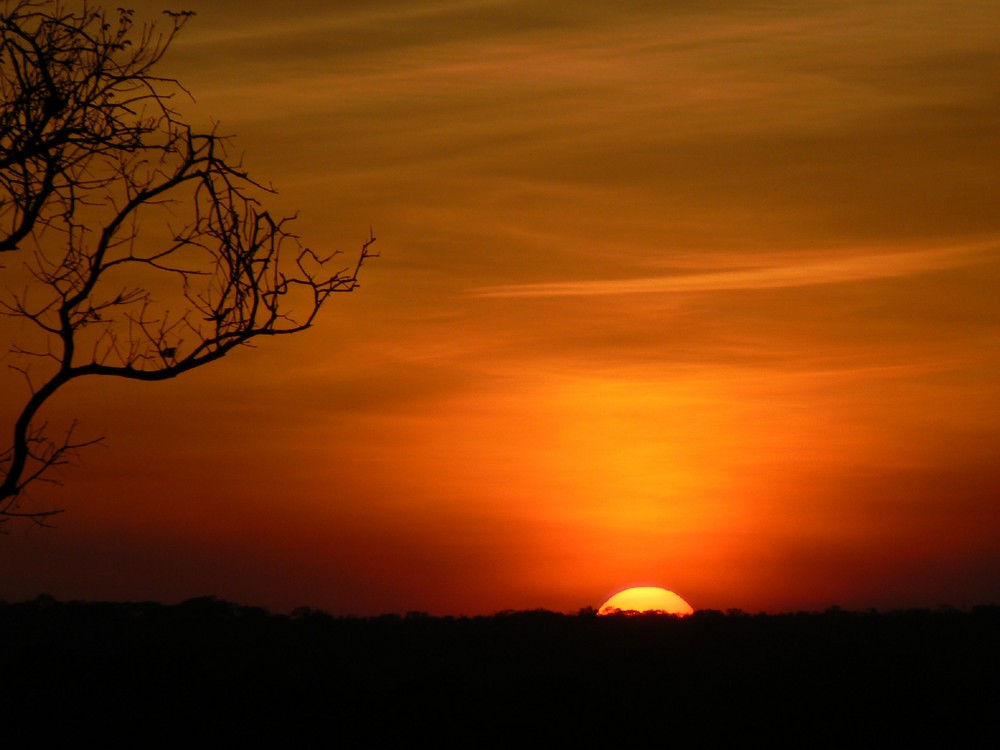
131 245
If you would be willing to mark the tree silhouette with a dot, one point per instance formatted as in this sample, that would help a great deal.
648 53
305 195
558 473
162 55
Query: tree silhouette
131 245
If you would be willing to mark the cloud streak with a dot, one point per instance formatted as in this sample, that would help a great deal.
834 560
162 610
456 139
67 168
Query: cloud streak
851 269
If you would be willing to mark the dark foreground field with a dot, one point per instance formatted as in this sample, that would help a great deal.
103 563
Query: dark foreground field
210 669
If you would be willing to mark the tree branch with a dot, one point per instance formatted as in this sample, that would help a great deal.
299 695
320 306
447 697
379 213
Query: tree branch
90 152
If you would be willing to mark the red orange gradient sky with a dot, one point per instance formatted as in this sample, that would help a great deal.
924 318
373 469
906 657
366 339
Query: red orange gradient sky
698 295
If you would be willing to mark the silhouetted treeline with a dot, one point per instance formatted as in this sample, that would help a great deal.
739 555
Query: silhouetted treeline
210 667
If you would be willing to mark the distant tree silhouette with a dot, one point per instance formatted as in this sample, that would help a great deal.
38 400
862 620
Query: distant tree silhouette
215 669
135 246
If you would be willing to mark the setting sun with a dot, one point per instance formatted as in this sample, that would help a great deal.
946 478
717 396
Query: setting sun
646 599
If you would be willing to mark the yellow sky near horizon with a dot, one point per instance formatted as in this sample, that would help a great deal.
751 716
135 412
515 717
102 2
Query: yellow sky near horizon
699 295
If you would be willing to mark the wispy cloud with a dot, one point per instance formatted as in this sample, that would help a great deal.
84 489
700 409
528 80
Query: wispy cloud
789 274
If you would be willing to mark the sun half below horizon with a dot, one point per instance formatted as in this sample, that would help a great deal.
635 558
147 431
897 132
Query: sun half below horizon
640 599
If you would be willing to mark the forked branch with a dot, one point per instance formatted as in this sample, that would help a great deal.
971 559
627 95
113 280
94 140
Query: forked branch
90 154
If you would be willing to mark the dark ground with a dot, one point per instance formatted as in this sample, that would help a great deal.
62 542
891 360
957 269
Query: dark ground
208 669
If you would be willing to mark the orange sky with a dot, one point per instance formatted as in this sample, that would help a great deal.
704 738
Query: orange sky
698 295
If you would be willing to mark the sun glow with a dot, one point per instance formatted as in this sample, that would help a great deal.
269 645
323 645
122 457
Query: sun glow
646 599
